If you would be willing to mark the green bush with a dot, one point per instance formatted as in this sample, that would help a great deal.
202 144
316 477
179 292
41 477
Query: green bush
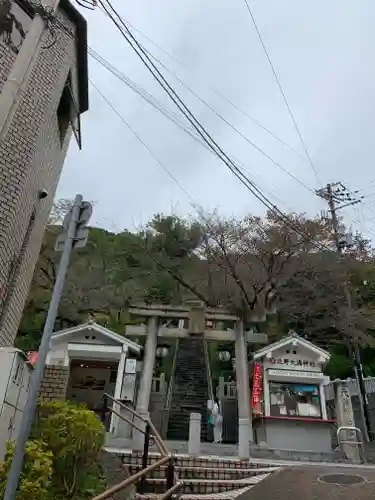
36 474
75 436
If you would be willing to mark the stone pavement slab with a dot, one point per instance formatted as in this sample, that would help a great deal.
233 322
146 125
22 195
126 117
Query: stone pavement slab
308 483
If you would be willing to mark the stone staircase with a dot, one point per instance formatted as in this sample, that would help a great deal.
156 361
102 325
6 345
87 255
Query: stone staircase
202 478
190 390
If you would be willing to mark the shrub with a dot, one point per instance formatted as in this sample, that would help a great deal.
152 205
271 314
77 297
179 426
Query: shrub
36 474
75 436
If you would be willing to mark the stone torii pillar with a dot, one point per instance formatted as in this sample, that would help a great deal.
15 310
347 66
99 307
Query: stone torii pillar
245 432
145 384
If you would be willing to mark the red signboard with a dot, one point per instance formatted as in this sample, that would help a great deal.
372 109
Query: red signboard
32 357
257 390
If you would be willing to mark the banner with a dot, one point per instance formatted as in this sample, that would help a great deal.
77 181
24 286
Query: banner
257 390
32 357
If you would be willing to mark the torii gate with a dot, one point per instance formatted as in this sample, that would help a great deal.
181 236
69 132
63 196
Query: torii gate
196 315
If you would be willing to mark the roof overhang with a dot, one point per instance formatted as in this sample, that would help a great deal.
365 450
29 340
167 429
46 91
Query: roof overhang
296 341
94 351
93 327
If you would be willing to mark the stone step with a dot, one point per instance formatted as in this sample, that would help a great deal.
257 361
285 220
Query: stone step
205 462
225 495
203 486
208 473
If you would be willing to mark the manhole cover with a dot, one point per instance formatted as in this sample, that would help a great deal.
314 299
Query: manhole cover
342 479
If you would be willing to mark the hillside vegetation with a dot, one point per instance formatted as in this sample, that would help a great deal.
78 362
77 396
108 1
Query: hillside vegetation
247 265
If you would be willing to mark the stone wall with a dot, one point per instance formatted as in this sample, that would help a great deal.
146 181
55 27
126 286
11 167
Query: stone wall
54 383
156 409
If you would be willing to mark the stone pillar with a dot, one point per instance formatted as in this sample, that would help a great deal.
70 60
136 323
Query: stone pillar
195 434
117 394
245 434
345 418
54 383
145 384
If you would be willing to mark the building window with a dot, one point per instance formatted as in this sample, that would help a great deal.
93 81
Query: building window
68 114
294 400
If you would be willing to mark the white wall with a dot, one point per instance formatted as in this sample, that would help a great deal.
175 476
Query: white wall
59 347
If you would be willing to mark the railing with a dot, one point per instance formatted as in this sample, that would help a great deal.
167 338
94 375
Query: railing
150 433
357 442
226 389
208 371
159 384
168 400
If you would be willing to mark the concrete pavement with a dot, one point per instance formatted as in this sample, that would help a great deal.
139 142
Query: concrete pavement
315 483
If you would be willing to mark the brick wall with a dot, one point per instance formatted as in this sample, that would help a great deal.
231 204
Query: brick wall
55 382
31 159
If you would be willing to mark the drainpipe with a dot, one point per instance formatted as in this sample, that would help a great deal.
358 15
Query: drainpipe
19 75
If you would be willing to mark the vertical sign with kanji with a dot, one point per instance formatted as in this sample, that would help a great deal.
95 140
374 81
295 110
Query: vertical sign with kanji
256 402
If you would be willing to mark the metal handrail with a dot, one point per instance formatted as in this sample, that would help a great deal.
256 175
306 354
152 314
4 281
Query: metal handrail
168 400
156 436
127 420
358 442
208 371
105 495
171 490
133 412
173 482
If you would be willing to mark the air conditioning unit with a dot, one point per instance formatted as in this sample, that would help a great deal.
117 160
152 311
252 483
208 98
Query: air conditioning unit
15 371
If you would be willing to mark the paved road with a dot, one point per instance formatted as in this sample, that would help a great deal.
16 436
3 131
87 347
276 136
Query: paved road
306 483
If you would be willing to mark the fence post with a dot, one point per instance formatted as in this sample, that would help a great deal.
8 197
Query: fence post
194 445
146 446
170 473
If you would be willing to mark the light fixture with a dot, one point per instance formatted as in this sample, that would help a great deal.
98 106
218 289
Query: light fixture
162 351
224 356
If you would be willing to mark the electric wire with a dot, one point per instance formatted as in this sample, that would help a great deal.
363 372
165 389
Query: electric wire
313 167
224 98
195 205
197 125
161 107
162 165
157 105
234 128
207 138
176 119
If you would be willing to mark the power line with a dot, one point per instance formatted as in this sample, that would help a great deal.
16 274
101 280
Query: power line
224 98
143 143
138 49
260 150
175 118
156 104
283 93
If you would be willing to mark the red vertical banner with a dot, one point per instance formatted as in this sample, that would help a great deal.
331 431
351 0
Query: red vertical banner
32 357
256 398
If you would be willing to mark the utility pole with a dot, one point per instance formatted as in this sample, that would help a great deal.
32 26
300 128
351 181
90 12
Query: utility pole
74 235
338 196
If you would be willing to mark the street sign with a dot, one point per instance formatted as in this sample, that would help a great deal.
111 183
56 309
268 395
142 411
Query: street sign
67 219
80 239
82 231
60 242
86 213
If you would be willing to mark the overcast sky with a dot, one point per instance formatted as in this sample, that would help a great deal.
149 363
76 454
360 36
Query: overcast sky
323 53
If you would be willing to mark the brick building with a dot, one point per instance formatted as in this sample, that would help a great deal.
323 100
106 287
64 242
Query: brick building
43 91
